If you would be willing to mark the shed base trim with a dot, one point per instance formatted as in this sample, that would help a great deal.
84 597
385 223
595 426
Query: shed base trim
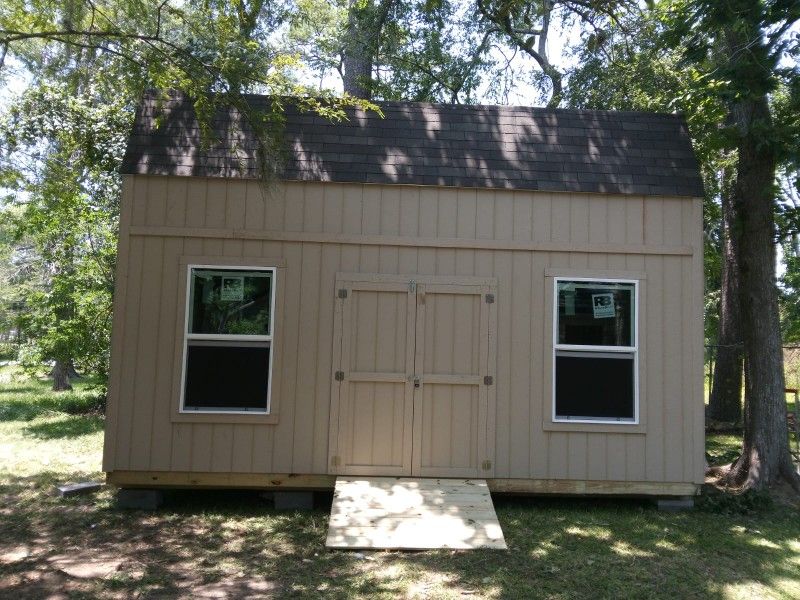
592 488
189 479
288 481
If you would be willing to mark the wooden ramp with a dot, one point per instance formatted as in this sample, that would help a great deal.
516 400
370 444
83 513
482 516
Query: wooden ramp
413 514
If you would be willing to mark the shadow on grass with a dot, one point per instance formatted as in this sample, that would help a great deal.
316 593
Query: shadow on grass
67 427
558 547
71 404
575 548
17 390
722 449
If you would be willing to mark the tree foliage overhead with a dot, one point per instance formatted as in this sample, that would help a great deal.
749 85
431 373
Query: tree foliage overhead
86 64
419 50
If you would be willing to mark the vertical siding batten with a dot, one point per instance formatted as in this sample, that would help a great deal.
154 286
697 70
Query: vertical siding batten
539 335
307 346
674 444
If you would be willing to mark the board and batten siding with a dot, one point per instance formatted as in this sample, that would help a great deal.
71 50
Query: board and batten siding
320 229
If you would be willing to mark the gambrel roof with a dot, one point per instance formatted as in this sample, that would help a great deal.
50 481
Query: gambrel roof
506 147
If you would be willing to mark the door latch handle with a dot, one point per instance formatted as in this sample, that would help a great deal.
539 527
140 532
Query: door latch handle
416 381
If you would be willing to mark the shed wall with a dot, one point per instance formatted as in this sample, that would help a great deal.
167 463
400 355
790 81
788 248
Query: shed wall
319 229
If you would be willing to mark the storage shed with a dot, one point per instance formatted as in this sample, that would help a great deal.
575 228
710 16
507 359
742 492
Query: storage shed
507 293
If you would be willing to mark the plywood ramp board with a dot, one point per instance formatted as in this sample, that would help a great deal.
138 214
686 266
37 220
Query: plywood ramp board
396 513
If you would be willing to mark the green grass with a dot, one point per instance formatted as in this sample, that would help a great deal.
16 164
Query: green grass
722 448
235 542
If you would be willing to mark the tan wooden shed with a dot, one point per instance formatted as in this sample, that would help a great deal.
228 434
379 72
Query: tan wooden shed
505 293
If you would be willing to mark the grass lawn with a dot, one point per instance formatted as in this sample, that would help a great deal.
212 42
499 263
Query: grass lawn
226 544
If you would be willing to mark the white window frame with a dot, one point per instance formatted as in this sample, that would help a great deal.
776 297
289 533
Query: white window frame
187 336
598 350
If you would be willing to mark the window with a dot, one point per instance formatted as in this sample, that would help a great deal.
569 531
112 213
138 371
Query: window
595 351
228 342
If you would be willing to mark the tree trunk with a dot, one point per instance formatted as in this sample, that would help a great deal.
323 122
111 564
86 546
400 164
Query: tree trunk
61 376
725 401
356 62
362 36
765 455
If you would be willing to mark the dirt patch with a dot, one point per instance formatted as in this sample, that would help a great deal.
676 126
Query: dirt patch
15 554
86 567
246 589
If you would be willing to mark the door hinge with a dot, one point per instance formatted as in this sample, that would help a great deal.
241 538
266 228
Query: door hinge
489 298
486 465
342 293
488 380
339 376
335 460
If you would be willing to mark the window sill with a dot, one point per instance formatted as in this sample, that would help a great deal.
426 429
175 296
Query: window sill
609 427
217 418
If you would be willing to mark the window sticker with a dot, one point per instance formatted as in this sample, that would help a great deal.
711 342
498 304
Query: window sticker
232 289
603 305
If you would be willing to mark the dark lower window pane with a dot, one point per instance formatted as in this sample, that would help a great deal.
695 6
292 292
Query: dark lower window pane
594 387
226 377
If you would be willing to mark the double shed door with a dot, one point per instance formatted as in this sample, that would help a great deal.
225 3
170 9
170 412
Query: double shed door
413 385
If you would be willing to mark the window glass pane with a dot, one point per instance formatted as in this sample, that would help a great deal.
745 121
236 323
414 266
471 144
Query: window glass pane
596 313
232 302
594 387
226 377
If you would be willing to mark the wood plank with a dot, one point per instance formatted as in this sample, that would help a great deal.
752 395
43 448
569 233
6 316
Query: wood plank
447 379
429 483
675 446
376 239
166 364
282 439
523 216
413 514
333 208
188 479
150 305
390 210
599 488
323 357
519 306
205 479
307 339
343 516
541 353
377 376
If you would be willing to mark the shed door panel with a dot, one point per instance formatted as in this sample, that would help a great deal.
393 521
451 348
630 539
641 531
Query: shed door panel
375 398
450 406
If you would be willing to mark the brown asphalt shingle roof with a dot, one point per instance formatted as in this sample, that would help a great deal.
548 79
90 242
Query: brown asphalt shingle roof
506 147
